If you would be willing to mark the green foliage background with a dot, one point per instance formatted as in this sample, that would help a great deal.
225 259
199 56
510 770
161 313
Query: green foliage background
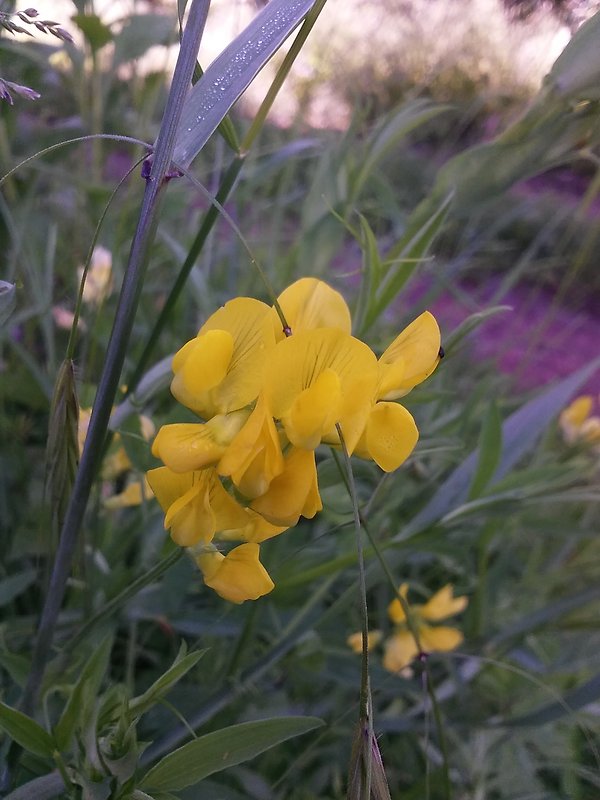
492 501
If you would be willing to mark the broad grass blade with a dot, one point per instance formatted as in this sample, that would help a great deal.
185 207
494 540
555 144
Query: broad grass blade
231 73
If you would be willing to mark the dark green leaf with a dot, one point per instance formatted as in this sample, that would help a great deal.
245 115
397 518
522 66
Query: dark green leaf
17 667
222 749
14 585
95 31
577 698
182 664
26 732
140 33
83 696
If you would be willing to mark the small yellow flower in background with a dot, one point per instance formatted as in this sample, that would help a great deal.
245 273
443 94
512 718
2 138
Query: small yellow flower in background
579 425
99 280
354 641
401 648
268 396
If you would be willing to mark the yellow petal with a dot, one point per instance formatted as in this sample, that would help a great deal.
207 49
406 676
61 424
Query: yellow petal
578 411
199 505
411 357
254 456
115 464
293 492
443 604
389 437
250 325
168 485
133 495
239 576
190 446
400 649
354 641
257 530
207 363
395 610
439 639
296 364
314 411
310 303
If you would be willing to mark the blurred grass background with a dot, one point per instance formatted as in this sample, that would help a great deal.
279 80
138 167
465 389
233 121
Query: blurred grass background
519 702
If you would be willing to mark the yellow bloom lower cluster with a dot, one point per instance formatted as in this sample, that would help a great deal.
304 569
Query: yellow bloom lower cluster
401 647
269 394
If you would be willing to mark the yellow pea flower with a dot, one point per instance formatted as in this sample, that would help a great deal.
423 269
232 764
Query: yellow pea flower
401 647
293 493
196 505
310 303
189 446
317 378
579 425
134 494
238 576
354 641
256 530
253 457
221 369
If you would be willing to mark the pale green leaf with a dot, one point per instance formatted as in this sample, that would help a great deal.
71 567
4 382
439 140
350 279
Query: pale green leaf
26 732
222 749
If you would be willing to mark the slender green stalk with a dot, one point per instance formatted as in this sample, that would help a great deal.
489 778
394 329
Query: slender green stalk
115 356
366 703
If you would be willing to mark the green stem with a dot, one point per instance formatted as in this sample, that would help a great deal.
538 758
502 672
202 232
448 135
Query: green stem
117 347
366 703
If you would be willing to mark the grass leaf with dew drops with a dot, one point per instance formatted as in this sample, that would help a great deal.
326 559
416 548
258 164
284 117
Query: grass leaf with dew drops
231 73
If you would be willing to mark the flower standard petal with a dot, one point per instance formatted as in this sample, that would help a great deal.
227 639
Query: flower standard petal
227 388
399 650
296 364
310 303
292 493
443 604
238 576
395 610
254 457
411 357
389 437
314 411
188 446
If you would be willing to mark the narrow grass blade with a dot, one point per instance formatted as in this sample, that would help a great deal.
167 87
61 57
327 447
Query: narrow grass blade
520 433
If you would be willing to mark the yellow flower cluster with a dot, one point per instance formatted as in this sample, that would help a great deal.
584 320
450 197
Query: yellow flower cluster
579 425
401 647
268 397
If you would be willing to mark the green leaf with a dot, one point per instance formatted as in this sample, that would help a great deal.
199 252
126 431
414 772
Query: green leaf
80 704
490 447
8 300
14 585
468 325
26 732
222 749
95 31
576 71
182 664
140 33
17 666
232 72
